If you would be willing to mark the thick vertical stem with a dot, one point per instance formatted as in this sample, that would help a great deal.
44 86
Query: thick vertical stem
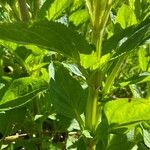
36 5
91 110
99 17
23 10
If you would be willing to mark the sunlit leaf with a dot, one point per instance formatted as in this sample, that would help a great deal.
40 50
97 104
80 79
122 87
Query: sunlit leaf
127 111
79 17
57 8
21 91
125 16
143 61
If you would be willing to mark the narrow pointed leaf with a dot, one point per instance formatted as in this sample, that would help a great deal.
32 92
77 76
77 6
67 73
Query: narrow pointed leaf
136 79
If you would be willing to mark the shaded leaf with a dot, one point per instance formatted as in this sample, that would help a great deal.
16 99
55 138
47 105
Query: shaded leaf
67 94
50 35
9 118
128 39
141 78
45 7
120 142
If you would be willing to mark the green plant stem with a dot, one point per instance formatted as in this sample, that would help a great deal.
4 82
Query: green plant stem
80 121
36 5
99 14
89 4
23 10
91 109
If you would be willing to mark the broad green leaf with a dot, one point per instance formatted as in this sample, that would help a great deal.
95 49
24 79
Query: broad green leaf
21 91
142 9
111 44
91 61
125 111
76 4
50 35
9 118
79 17
140 35
57 8
125 16
128 39
67 94
119 142
132 4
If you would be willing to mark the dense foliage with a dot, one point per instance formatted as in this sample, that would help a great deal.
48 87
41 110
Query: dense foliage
74 74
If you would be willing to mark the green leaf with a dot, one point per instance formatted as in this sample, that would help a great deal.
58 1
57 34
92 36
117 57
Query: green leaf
76 4
143 61
45 7
74 69
128 39
137 79
138 37
73 143
90 61
110 79
57 9
50 35
79 17
125 16
21 91
9 118
146 136
120 141
125 111
67 94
